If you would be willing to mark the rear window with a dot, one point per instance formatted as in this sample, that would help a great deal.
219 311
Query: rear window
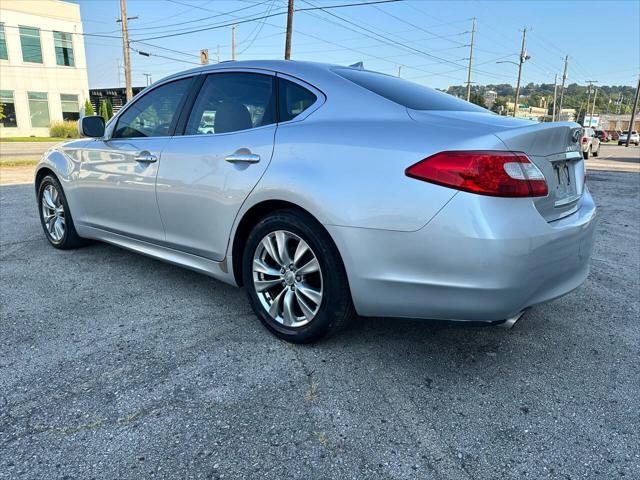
405 93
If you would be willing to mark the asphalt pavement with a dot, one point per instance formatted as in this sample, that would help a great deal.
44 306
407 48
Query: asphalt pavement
113 365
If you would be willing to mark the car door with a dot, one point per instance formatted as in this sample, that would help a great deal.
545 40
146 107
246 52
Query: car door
206 174
117 177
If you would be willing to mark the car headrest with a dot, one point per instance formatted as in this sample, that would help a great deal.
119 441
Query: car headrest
232 116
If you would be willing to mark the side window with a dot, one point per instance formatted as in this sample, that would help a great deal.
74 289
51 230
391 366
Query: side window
293 99
230 102
153 114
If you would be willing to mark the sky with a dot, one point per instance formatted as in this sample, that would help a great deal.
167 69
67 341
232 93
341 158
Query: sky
425 41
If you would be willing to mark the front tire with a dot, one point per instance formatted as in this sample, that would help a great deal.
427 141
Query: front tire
585 155
55 216
295 278
597 152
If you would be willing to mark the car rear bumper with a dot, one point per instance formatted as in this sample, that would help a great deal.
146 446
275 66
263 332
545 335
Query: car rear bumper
479 259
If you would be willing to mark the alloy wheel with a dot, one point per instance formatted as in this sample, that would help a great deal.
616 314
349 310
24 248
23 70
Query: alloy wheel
53 216
287 278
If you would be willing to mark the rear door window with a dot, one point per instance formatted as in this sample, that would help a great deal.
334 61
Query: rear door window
230 102
405 93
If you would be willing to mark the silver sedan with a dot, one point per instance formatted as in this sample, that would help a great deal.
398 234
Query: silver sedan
328 192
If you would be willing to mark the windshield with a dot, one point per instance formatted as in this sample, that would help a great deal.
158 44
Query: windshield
403 92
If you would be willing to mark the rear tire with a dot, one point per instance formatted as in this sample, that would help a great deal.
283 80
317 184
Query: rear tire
597 152
585 155
55 216
299 297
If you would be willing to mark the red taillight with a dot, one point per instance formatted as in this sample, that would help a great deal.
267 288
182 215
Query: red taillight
584 140
499 174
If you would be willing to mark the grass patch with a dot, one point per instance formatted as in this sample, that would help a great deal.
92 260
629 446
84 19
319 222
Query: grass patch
32 139
23 162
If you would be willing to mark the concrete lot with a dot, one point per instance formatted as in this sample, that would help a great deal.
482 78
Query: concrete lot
113 365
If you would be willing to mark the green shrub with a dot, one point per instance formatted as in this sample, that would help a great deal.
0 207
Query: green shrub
64 130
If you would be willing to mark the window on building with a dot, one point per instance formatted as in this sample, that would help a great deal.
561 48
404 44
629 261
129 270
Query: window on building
8 109
30 42
64 49
3 44
70 107
38 109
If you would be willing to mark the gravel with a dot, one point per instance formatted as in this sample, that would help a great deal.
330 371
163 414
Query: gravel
113 365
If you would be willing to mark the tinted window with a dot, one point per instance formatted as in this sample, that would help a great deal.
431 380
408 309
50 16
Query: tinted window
64 49
403 92
229 102
8 109
153 114
294 99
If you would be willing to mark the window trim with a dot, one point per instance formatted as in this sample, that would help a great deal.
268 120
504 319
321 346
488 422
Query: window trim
113 122
6 46
73 49
41 100
189 110
13 102
41 62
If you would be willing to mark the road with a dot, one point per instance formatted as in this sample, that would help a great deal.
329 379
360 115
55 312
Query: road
24 150
113 365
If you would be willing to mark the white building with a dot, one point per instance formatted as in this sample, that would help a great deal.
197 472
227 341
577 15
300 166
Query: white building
43 71
490 98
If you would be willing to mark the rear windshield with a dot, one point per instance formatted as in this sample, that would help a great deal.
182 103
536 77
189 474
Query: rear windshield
403 92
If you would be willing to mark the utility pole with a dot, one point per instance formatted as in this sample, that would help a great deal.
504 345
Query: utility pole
148 78
399 69
218 54
555 96
633 114
233 42
593 107
287 45
564 79
473 34
586 110
125 49
523 58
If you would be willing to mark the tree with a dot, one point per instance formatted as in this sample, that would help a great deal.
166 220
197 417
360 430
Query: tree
88 109
477 99
499 106
109 109
1 111
103 111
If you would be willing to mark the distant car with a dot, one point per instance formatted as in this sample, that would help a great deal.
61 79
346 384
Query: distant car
590 143
635 138
602 135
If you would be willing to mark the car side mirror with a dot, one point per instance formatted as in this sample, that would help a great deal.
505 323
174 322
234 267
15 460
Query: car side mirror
92 127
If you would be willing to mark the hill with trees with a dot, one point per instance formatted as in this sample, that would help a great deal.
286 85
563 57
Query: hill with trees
610 99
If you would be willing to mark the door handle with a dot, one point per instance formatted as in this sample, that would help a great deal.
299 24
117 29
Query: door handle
243 158
145 157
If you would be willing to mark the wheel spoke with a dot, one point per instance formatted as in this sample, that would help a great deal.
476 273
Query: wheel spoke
281 241
262 285
47 199
272 250
310 267
274 309
287 309
261 267
311 293
306 310
301 249
58 228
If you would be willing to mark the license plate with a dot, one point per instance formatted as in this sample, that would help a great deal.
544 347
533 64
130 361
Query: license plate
563 173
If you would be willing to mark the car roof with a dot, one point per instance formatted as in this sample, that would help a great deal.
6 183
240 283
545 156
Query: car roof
295 68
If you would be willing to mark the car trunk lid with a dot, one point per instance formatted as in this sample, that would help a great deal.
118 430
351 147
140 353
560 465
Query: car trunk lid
553 147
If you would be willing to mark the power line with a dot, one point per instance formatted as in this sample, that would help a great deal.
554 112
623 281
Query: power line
261 17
